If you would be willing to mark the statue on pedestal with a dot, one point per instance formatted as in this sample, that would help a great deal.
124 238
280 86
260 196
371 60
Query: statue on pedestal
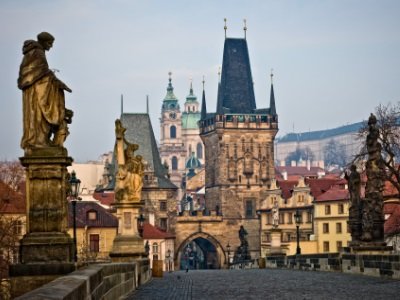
354 181
275 215
130 168
45 117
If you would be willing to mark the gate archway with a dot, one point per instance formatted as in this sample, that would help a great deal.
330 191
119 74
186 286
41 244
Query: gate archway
200 251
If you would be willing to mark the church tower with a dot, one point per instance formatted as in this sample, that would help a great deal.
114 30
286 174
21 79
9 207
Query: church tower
172 151
239 143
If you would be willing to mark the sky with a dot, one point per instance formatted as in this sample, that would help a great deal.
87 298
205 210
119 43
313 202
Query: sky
333 61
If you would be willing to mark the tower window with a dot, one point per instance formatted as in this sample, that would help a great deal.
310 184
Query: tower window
199 151
174 163
172 132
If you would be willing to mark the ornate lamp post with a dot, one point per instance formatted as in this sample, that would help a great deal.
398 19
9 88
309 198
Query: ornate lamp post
228 248
297 219
74 185
141 220
168 258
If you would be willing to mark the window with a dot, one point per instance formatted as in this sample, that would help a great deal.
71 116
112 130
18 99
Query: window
339 246
309 216
341 209
300 198
94 242
163 223
338 227
290 218
326 246
325 228
92 215
199 149
281 218
249 208
163 205
18 227
172 132
269 219
174 163
327 209
155 250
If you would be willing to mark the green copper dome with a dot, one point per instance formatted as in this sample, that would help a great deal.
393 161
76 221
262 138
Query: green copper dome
170 100
191 97
193 162
190 119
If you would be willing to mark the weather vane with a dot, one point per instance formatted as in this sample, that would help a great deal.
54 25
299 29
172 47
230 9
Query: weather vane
225 27
203 82
272 75
244 28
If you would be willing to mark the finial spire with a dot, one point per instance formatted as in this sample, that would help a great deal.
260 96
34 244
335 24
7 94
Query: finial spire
225 27
147 104
122 104
219 74
272 75
203 82
169 75
244 28
191 86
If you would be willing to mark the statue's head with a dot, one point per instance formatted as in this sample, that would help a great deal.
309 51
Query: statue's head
372 119
46 40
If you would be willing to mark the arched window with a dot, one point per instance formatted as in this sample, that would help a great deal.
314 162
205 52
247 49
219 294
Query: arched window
155 251
199 151
174 163
172 132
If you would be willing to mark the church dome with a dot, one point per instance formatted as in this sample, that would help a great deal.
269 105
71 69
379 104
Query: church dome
193 162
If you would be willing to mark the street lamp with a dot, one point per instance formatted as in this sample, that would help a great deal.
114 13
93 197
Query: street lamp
141 220
297 219
168 257
74 191
228 248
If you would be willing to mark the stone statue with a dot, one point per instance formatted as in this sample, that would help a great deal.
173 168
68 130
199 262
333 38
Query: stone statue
45 117
130 168
242 236
354 181
275 215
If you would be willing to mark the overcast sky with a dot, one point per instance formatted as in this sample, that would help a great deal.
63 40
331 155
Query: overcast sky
334 61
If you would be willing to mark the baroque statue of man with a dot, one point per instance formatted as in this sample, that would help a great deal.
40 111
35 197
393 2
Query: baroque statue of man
45 117
275 215
130 168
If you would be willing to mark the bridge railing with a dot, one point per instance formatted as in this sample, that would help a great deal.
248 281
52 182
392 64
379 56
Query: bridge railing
100 281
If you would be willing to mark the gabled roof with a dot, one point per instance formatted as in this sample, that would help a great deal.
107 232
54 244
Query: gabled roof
104 218
11 202
335 193
139 131
152 232
105 198
236 93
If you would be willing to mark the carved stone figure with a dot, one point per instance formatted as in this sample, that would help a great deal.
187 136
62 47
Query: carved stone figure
354 181
242 236
45 117
130 168
275 215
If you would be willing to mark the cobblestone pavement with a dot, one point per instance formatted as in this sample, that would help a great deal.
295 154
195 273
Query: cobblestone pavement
266 284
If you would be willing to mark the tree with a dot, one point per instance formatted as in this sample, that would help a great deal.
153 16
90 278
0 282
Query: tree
388 121
12 173
299 153
335 154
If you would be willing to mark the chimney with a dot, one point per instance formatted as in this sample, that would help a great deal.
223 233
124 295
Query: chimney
284 175
293 163
308 165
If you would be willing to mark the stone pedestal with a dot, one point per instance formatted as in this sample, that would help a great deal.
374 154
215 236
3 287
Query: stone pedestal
128 245
46 250
276 237
373 248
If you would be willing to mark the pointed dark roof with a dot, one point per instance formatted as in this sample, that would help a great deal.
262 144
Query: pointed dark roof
203 106
236 93
139 131
272 108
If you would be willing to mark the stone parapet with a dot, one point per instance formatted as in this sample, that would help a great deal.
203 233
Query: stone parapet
102 281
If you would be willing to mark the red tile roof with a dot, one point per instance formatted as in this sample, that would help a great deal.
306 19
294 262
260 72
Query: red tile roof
105 198
392 224
152 232
11 202
335 193
104 218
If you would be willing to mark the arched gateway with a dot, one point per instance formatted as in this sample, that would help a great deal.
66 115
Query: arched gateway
200 251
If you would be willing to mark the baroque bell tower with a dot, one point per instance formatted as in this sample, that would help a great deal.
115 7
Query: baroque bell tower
172 151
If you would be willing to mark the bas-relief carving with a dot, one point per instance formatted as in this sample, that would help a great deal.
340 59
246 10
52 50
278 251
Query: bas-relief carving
45 117
130 168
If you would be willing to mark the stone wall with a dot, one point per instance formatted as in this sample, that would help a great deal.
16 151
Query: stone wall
101 281
387 265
